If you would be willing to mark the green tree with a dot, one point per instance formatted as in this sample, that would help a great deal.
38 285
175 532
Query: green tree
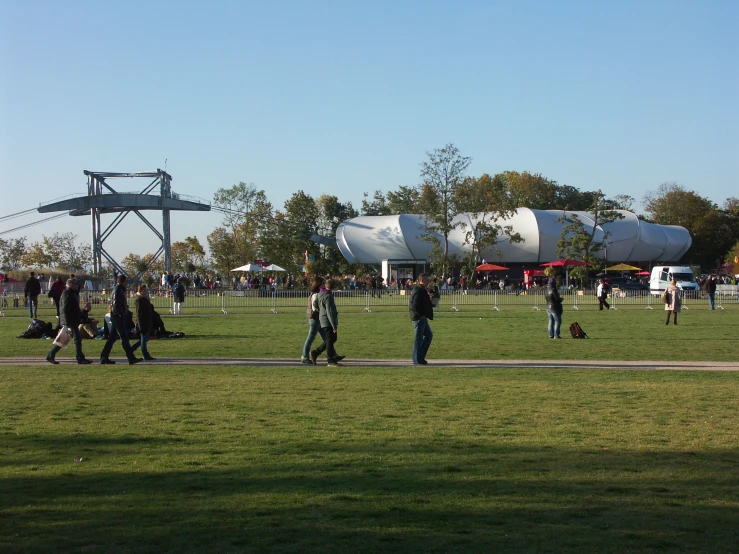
441 175
59 250
376 206
36 255
143 268
247 217
188 256
578 241
299 223
224 251
713 230
405 200
12 252
278 243
332 212
622 202
530 190
486 200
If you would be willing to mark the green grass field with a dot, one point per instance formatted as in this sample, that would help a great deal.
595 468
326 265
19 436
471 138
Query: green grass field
358 459
628 334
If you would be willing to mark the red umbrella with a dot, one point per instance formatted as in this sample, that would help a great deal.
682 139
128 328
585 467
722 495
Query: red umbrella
565 262
643 273
491 267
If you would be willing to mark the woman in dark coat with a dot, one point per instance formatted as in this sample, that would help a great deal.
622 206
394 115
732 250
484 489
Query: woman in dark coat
55 293
178 292
554 308
144 320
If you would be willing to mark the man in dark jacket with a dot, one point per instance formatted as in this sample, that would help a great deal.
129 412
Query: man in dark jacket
118 311
554 308
144 320
709 287
421 311
31 292
328 318
70 315
55 293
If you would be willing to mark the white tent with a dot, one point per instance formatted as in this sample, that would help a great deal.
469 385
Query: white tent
249 267
274 267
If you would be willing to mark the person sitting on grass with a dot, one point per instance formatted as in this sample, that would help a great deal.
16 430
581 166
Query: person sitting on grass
88 325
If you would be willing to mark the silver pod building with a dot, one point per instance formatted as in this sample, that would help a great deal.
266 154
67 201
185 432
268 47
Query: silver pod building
396 240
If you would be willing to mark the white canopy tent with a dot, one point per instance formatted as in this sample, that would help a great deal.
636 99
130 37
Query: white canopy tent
249 267
274 267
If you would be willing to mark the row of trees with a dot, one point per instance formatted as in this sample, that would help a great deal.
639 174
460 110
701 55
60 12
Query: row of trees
253 229
302 230
58 251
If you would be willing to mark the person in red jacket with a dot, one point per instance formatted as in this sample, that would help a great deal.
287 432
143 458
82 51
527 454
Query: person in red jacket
55 293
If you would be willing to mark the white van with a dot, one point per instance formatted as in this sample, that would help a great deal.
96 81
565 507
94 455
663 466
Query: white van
663 274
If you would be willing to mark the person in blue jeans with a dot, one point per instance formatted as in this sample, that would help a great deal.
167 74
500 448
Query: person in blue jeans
314 326
144 321
421 311
710 288
554 308
31 292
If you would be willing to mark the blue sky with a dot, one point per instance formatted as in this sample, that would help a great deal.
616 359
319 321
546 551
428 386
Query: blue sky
347 97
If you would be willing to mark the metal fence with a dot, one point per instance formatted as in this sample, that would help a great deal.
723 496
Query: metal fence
268 301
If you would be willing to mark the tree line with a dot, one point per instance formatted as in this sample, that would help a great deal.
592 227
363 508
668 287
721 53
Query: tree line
252 228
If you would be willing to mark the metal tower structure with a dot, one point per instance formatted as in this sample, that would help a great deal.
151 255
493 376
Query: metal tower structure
102 198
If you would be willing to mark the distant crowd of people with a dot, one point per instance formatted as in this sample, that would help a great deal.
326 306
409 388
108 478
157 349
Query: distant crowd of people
322 314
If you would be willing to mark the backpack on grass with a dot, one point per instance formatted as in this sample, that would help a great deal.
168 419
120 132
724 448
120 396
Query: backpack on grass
577 332
37 330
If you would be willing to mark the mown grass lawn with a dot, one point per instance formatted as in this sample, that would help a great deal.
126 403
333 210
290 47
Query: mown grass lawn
252 459
628 334
193 459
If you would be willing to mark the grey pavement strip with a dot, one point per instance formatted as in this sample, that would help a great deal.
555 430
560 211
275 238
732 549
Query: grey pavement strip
645 365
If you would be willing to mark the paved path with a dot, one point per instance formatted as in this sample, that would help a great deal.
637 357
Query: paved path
650 365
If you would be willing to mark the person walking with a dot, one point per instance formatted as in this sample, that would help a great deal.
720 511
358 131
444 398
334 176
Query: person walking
71 316
118 311
314 324
673 301
144 320
178 296
602 294
554 308
328 318
31 292
710 288
55 293
421 312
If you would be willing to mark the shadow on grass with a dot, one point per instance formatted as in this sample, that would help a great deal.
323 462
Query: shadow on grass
360 497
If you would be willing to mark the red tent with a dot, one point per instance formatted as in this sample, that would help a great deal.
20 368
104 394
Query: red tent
565 262
491 267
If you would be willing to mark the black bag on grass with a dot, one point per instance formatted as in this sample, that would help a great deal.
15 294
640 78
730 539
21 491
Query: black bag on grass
576 331
37 329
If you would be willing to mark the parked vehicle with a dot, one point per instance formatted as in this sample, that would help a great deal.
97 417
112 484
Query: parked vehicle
625 284
663 274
